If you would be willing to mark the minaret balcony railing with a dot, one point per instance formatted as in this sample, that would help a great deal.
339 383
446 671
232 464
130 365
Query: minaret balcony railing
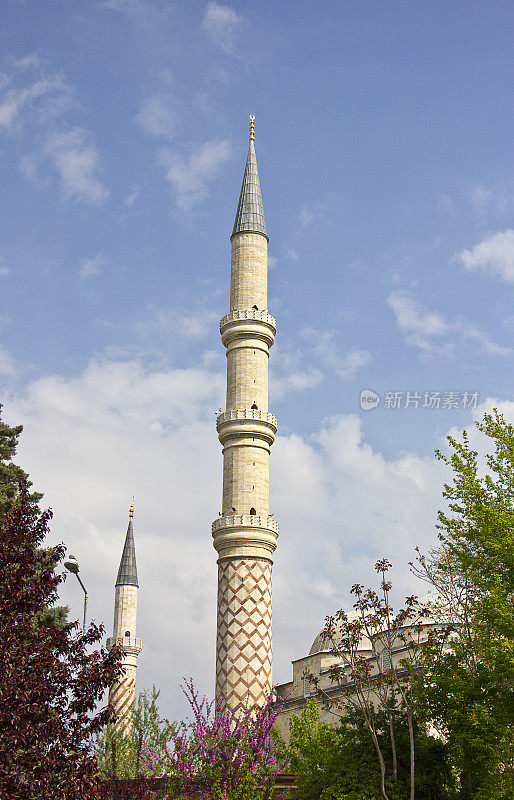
245 535
245 521
247 413
248 324
127 642
248 313
246 422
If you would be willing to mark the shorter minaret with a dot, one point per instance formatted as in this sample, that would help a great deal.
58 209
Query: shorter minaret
122 692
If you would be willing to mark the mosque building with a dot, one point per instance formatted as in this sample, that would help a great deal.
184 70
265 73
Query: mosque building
245 533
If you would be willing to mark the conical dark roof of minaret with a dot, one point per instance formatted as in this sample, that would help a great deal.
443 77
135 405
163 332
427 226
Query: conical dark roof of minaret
250 213
127 573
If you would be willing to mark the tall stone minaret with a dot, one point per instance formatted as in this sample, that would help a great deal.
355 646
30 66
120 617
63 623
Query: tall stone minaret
122 692
245 535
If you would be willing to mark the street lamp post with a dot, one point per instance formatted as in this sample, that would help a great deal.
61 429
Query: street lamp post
72 565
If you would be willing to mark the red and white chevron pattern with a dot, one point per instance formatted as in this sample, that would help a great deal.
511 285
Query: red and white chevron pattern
243 647
121 698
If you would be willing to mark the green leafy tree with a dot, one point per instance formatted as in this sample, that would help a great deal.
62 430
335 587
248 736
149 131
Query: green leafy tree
10 473
384 679
121 755
339 763
10 477
471 694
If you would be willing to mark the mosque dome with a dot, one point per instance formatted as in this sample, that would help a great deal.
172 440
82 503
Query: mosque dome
321 645
434 607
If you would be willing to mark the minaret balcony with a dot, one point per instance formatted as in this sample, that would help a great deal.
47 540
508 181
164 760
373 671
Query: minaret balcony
249 322
245 535
131 644
246 422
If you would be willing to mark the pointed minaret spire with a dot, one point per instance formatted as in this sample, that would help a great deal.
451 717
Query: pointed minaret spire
250 212
127 573
122 691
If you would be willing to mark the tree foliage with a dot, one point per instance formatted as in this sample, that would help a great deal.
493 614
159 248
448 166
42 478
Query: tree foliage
221 754
122 755
339 763
10 476
50 681
471 693
10 473
381 659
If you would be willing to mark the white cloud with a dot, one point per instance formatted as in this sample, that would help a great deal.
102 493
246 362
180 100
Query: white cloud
295 381
158 115
133 196
446 205
190 176
146 14
92 267
433 334
289 372
30 60
487 200
221 23
170 322
494 255
120 428
41 100
310 217
8 366
93 441
345 364
77 162
33 108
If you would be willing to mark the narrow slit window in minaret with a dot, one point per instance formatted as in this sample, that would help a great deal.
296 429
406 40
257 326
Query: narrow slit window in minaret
253 512
127 633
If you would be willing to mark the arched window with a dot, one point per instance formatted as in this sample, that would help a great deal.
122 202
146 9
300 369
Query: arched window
253 512
255 308
254 406
127 633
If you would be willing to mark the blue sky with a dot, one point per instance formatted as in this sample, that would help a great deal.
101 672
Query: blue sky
384 142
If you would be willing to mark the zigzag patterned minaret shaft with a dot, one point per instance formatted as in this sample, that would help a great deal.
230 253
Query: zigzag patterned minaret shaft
245 535
122 692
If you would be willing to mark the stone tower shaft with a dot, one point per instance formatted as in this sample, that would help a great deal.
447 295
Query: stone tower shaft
122 692
245 534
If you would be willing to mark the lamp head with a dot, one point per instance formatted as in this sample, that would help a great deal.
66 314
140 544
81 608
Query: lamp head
72 565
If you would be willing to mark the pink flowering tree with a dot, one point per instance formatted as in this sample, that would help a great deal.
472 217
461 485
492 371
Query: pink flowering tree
221 754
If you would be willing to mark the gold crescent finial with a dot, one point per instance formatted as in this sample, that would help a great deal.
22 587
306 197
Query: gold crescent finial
131 511
252 128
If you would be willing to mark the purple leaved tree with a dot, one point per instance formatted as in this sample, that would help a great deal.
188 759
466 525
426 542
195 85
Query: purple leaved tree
221 754
51 678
